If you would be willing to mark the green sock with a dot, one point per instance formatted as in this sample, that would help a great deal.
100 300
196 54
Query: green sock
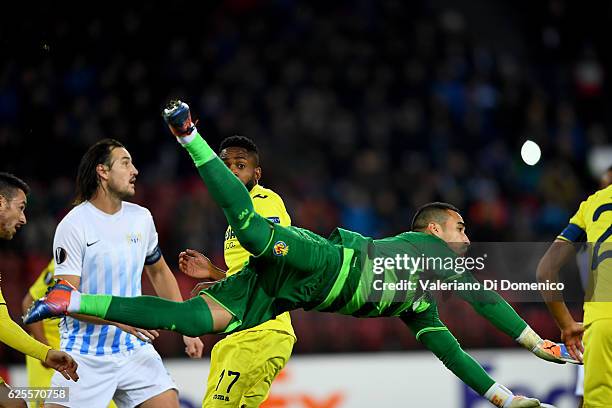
94 305
190 318
445 346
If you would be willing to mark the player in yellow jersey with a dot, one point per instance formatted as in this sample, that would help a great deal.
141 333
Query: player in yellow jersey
47 332
592 223
12 217
244 364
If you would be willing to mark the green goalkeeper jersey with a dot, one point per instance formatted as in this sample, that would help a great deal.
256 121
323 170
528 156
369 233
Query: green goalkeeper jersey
391 275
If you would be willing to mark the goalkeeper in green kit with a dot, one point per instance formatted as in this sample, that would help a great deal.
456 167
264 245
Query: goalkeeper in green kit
295 268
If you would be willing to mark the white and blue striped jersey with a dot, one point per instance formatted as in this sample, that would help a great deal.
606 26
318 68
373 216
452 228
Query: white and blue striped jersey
108 252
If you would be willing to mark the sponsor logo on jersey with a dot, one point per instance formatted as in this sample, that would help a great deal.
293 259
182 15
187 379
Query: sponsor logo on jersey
60 255
275 220
280 248
229 234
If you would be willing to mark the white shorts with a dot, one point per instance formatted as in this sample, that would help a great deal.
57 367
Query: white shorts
579 392
129 378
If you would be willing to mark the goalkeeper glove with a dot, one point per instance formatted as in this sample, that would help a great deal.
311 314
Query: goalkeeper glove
502 397
524 402
178 117
545 349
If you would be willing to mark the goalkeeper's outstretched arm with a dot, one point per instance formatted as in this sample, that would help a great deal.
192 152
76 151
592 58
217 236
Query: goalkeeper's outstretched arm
447 349
490 305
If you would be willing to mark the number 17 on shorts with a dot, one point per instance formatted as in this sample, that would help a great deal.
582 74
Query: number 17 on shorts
227 380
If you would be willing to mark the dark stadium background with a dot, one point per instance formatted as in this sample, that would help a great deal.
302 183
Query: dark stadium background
363 110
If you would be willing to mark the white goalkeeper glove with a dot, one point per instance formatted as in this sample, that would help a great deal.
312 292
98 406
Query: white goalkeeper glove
502 397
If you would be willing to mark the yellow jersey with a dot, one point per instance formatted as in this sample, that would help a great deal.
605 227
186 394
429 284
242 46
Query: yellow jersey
38 290
15 337
268 204
592 223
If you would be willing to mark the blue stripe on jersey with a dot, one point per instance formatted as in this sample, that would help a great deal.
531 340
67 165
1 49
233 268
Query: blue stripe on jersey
101 341
573 233
89 329
72 336
136 282
92 287
108 290
115 345
116 338
123 291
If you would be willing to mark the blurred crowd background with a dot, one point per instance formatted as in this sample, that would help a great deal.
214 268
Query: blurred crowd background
363 110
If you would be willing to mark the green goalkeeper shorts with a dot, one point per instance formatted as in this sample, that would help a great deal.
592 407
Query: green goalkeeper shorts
297 270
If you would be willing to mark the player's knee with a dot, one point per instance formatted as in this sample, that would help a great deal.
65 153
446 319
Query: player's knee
254 235
196 318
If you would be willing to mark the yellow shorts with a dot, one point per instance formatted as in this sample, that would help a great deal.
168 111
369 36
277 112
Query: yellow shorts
598 364
243 367
38 376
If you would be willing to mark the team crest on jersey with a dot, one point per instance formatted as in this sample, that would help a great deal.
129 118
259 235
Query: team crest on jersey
280 248
134 237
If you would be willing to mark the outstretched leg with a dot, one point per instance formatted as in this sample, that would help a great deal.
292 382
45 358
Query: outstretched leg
256 234
245 299
193 317
300 248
